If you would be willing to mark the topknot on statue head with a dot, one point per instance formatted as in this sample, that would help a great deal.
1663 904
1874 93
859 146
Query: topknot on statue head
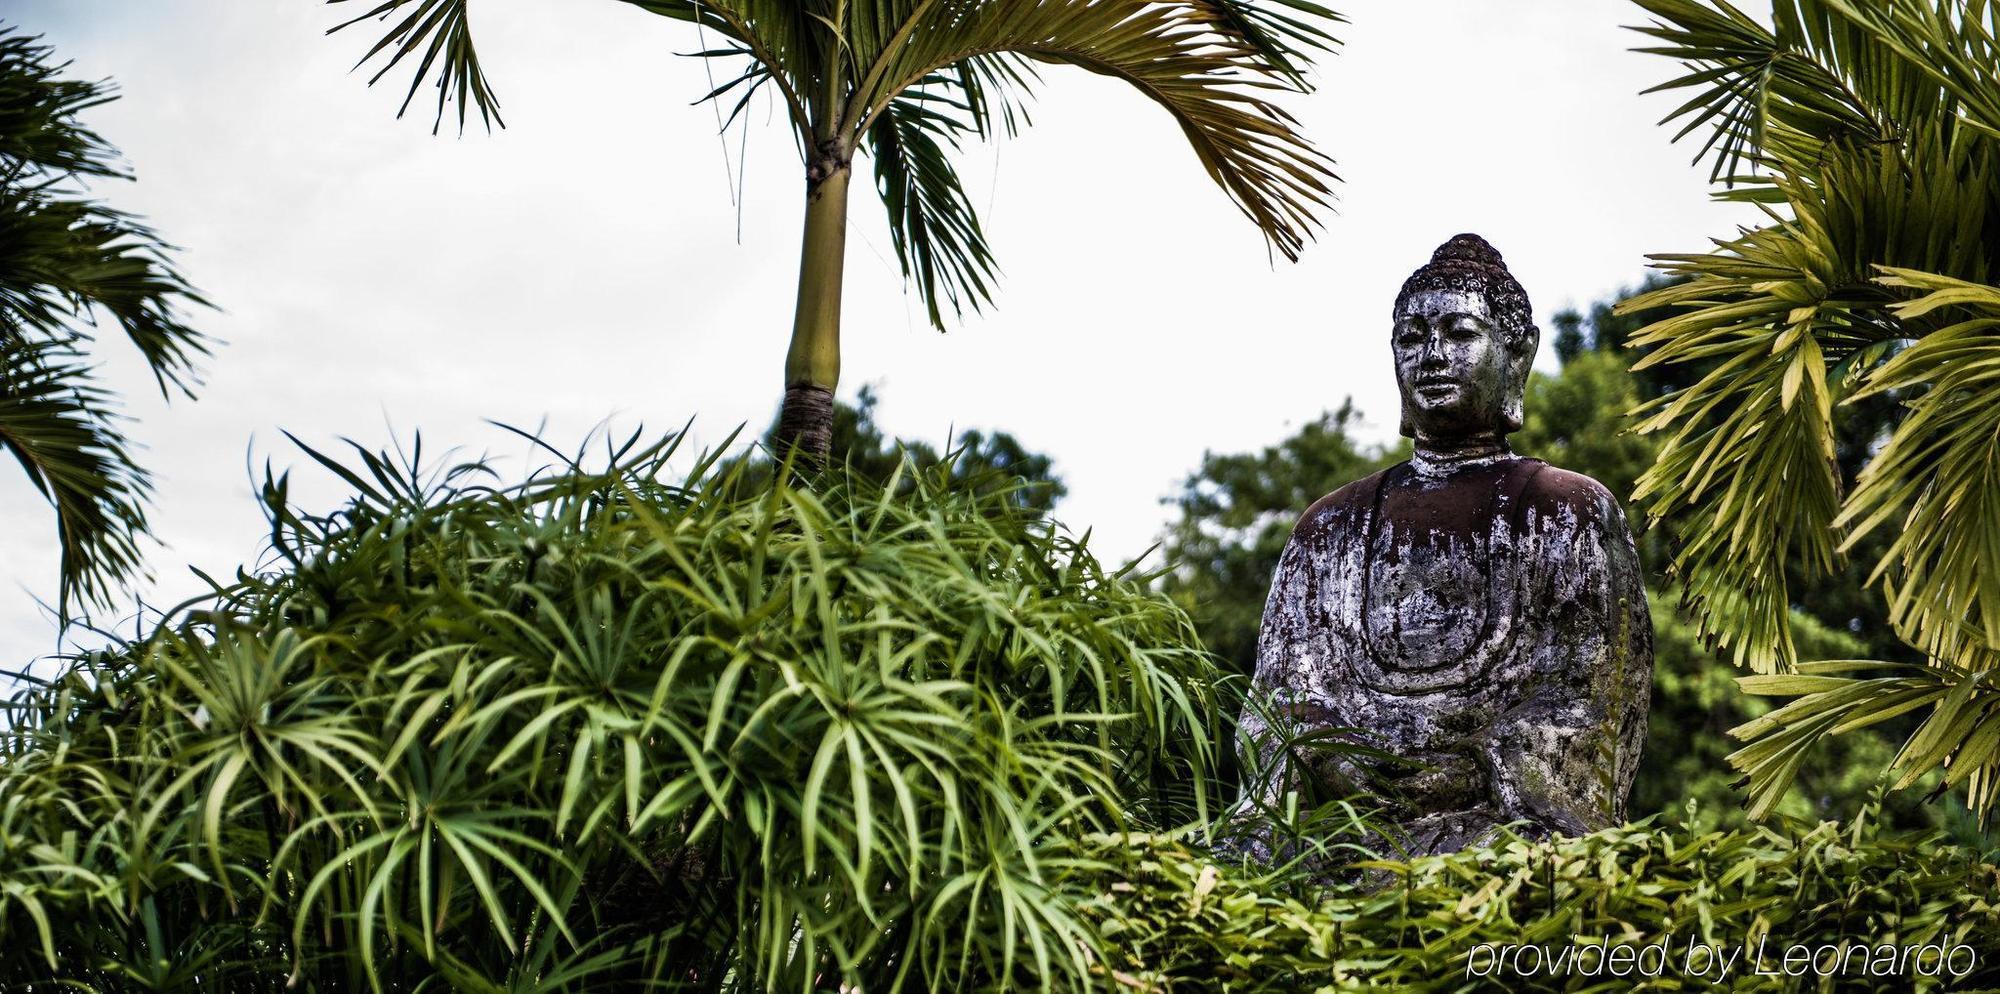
1469 264
1471 249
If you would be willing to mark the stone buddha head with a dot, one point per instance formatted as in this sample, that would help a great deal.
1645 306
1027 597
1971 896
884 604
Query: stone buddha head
1464 340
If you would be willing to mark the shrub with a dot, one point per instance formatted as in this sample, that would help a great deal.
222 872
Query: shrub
604 731
1180 922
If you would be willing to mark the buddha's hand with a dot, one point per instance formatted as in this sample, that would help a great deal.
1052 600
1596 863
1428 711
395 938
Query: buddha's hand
1432 782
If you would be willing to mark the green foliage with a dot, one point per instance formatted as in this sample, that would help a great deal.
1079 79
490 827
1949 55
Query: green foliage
1839 599
1182 923
1236 512
1872 134
1577 420
67 262
604 731
1696 703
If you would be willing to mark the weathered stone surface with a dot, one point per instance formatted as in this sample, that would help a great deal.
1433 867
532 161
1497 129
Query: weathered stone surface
1478 615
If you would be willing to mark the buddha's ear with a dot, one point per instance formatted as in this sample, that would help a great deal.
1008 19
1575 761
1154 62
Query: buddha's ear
1526 344
1520 366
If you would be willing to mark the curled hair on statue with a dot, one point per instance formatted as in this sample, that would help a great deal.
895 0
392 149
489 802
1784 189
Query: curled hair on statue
1468 264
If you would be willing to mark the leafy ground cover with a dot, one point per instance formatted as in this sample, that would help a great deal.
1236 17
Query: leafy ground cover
1724 909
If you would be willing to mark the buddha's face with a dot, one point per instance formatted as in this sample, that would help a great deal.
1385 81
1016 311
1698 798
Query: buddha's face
1453 365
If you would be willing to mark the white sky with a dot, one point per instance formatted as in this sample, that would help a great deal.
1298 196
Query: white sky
584 264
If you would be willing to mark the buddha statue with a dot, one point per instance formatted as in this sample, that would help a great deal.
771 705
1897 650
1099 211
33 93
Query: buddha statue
1475 618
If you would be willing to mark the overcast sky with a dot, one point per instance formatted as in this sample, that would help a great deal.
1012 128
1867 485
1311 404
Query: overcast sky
591 262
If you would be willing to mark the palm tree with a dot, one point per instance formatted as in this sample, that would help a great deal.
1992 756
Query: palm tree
1870 132
65 263
908 81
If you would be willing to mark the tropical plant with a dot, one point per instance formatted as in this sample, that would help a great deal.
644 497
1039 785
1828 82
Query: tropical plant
1871 135
1566 425
604 730
1578 419
1177 920
907 82
67 262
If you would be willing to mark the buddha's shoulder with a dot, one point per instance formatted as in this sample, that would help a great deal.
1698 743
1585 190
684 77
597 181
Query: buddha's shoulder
1542 487
1346 504
1552 488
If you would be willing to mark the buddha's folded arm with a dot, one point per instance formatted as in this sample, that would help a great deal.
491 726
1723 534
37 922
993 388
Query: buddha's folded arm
1564 755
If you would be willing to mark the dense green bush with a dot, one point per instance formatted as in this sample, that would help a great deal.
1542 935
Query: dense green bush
601 732
1180 922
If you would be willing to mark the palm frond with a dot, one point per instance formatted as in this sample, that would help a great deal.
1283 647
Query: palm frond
1788 310
1757 427
1956 45
439 34
932 222
1937 481
40 136
1771 95
1960 735
794 42
59 425
1285 33
66 262
1869 129
1182 56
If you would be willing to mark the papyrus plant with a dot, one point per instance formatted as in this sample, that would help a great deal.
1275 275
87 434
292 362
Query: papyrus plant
609 729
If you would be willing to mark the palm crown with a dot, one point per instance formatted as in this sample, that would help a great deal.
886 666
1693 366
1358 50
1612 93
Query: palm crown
906 82
1870 132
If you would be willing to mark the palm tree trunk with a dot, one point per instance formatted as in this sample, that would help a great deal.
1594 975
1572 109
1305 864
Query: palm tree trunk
812 366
